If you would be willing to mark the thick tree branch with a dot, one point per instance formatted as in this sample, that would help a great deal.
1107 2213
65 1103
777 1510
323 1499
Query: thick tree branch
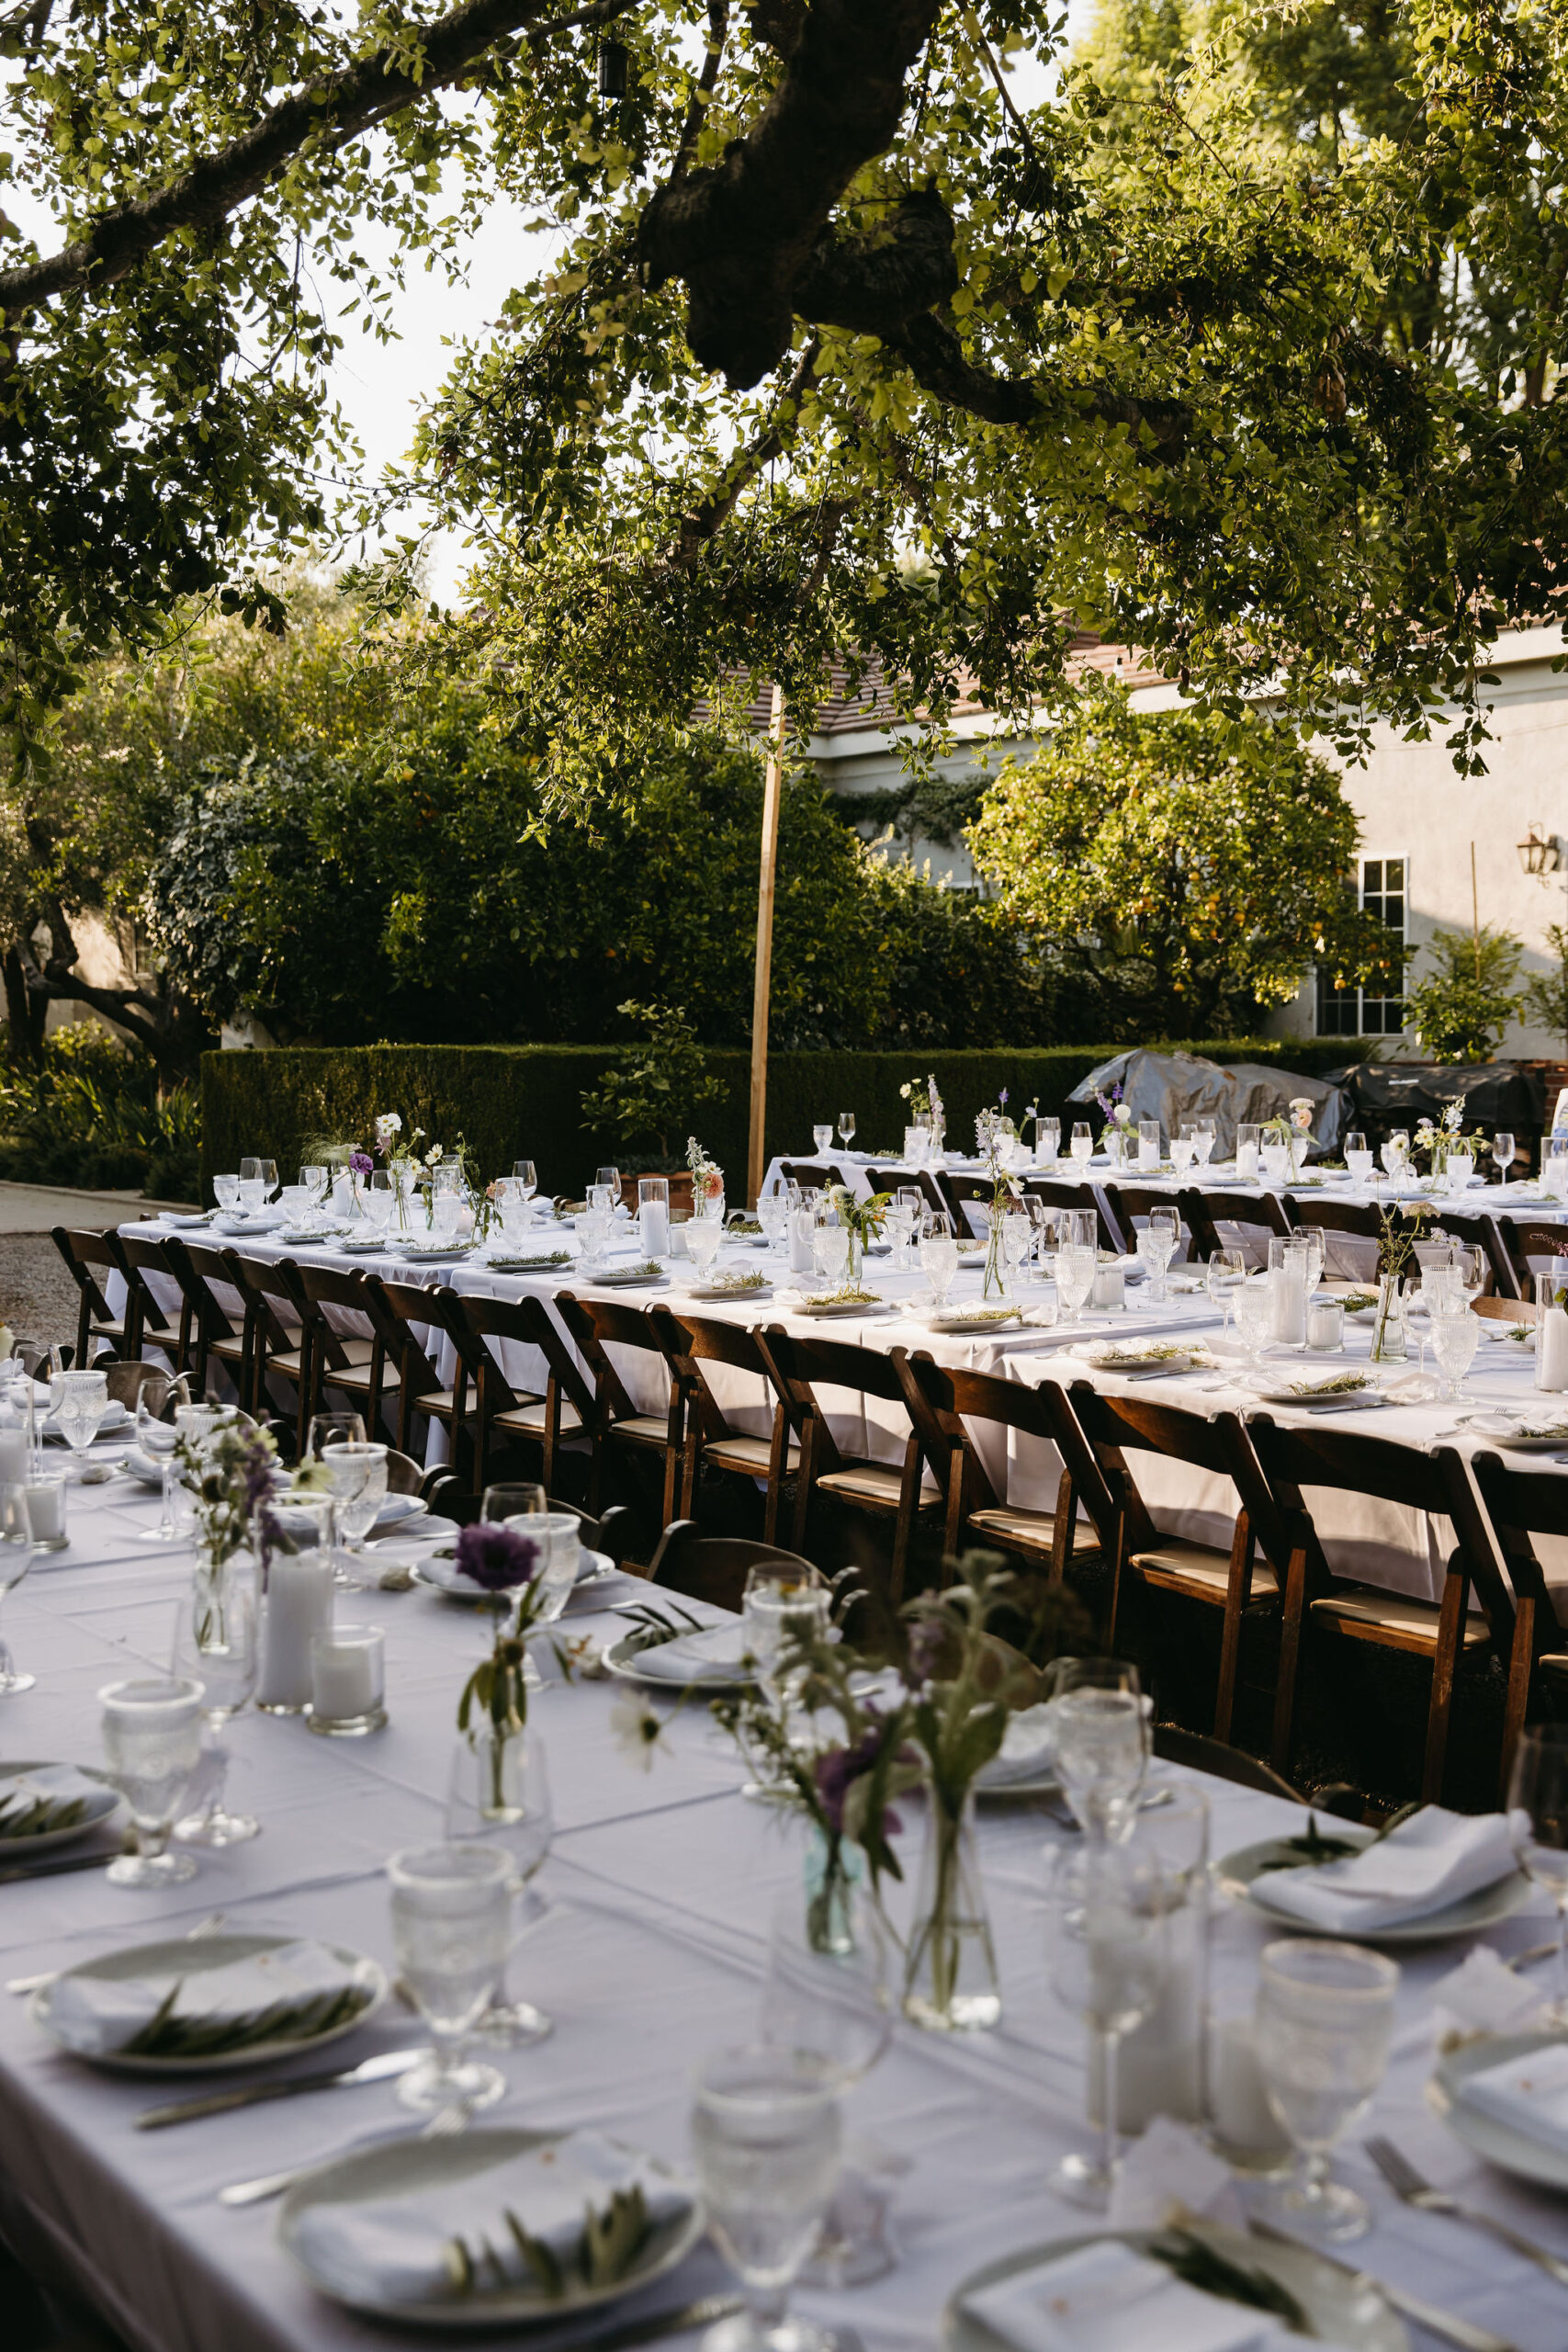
875 285
324 113
740 233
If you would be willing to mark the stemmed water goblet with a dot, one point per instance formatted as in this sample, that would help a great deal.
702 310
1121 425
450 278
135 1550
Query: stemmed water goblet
358 1474
1078 1263
226 1191
451 1927
1357 1157
1455 1334
84 1403
1018 1241
846 1127
1223 1276
767 2139
16 1559
1254 1320
1108 1958
1203 1141
822 1135
1082 1145
525 1178
1324 2017
217 1645
152 1729
704 1236
157 1439
1100 1729
499 1793
1502 1154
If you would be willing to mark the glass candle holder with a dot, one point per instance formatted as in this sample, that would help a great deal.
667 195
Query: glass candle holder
42 1495
348 1680
1326 1324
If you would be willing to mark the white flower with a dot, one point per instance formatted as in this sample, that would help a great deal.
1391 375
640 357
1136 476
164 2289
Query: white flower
433 1155
904 1089
637 1730
390 1123
1124 1115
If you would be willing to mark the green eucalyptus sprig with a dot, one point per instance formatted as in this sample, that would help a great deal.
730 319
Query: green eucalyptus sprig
166 2035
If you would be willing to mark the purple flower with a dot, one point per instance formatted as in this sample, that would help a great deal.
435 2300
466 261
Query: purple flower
1002 1098
360 1163
841 1766
495 1556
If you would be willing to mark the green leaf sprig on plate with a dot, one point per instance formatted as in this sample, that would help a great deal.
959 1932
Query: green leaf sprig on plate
648 1271
1311 1847
749 1279
610 2244
25 1816
649 1628
164 2035
1344 1383
1194 2260
532 1265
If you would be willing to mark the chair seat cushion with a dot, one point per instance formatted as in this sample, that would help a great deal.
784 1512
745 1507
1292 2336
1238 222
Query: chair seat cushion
1200 1569
642 1429
1405 1623
356 1377
287 1361
437 1402
750 1455
871 1484
1033 1527
532 1419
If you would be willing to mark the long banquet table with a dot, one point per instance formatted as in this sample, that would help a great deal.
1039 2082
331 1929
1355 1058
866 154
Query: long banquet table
1382 1544
660 1888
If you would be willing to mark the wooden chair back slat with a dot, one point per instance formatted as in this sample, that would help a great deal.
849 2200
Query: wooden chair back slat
714 1568
1057 1195
1205 1212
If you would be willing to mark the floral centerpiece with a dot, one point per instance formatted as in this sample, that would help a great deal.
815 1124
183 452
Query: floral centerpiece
493 1709
1447 1137
707 1180
990 1130
1403 1223
863 1221
403 1162
1289 1127
1118 1115
918 1095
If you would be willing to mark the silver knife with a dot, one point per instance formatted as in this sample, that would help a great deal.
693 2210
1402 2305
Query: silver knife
1467 2334
369 2070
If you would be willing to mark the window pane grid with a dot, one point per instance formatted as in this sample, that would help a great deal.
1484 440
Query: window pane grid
1352 1011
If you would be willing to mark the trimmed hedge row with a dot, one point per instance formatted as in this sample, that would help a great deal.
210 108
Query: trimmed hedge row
511 1101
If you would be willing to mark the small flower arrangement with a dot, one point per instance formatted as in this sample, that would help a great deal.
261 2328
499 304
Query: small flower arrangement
1117 1113
918 1095
502 1563
229 1474
1447 1137
708 1176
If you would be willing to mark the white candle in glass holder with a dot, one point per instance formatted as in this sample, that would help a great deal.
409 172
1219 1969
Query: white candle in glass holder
348 1672
12 1457
299 1604
43 1500
653 1218
1247 1161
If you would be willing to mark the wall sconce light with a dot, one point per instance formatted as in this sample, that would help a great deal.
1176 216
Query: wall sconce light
1542 853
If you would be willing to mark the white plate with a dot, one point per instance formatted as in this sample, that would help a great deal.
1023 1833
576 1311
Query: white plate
1133 1359
552 1263
372 1247
188 1956
1278 1394
1238 1875
404 2166
116 1416
738 1294
1514 1440
621 1659
446 1576
434 1255
834 1310
1500 2143
396 1511
629 1280
958 1322
101 1808
1341 2307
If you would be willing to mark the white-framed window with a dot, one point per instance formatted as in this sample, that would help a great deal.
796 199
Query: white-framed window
1383 891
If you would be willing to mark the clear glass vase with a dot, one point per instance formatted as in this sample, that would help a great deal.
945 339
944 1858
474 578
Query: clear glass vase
950 1977
996 1271
1389 1340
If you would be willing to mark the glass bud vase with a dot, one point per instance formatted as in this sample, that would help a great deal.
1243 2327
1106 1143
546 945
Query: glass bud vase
996 1271
950 1977
1390 1344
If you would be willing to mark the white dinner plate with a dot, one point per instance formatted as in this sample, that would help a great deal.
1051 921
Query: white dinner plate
446 1576
115 1419
833 1310
1342 2307
433 1254
101 1807
396 1511
1500 2143
550 1263
978 1319
621 1659
1238 1875
1133 1357
1314 1392
372 1246
403 2167
738 1294
1520 1436
187 1957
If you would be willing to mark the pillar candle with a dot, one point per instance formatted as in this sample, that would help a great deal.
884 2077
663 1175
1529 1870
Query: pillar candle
1247 1161
654 1219
348 1672
1551 1349
43 1500
298 1603
1289 1292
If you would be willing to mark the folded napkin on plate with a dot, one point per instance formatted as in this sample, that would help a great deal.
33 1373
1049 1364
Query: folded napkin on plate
1530 2094
57 1785
1106 2298
1426 1863
1482 1995
713 1656
396 2249
1167 2174
98 2013
1028 1744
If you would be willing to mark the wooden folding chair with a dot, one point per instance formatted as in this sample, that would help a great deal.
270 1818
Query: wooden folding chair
798 1367
129 1383
1517 1505
360 1367
1518 1311
1236 1581
503 1411
149 1309
1136 1204
1440 1632
934 1185
819 1173
710 1442
412 1309
1220 1220
90 1258
714 1567
616 1425
1078 1196
942 1399
1200 1753
223 1316
275 1343
1521 1240
1481 1230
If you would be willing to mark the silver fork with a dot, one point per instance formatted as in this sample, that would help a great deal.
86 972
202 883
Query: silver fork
1409 2186
207 1927
444 2125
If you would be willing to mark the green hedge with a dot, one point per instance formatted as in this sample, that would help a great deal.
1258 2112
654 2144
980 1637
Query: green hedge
516 1102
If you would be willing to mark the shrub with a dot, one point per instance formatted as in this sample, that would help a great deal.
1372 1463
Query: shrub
1460 1010
91 1115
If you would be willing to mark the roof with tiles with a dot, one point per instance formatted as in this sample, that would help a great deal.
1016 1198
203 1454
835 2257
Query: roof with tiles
844 713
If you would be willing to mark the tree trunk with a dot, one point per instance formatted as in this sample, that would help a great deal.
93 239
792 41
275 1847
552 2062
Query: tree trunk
25 1014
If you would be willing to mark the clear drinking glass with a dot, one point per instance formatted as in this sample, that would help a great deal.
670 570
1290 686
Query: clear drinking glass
610 1179
1454 1338
1076 1267
1082 1143
1018 1241
846 1127
1502 1154
500 1792
704 1236
313 1179
767 2141
1538 1819
513 1499
1047 1140
217 1645
939 1254
1358 1156
451 1926
1223 1276
84 1402
1100 1732
1248 1145
1182 1148
157 1439
358 1475
1325 2016
1254 1319
822 1135
1203 1141
380 1198
16 1559
226 1191
152 1744
779 1601
1108 1957
1396 1151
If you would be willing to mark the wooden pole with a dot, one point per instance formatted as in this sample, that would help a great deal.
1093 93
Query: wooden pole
1475 915
761 995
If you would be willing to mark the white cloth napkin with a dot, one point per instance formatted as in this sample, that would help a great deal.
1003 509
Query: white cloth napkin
1105 2297
1530 2094
1027 1746
1430 1860
1167 2172
96 2014
394 2250
713 1656
1483 1996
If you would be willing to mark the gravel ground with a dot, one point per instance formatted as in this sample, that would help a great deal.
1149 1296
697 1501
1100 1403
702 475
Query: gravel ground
38 1297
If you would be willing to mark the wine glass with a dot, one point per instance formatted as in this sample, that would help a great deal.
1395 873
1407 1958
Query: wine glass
1324 2017
939 1254
216 1645
358 1475
1223 1276
313 1177
157 1441
526 1180
767 2137
846 1127
1467 1260
500 1791
152 1729
1537 1821
1396 1151
1107 1959
511 1498
1100 1732
1502 1154
822 1137
1082 1143
609 1179
451 1926
1358 1156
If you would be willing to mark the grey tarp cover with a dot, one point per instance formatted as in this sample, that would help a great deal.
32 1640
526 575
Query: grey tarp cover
1173 1087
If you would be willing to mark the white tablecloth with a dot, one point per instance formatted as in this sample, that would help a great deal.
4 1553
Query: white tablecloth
661 1889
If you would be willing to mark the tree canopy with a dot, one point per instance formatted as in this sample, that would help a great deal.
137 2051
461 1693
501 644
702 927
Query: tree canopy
1241 346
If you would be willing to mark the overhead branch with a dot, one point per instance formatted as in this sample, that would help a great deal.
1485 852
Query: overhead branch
740 232
709 517
320 115
702 87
